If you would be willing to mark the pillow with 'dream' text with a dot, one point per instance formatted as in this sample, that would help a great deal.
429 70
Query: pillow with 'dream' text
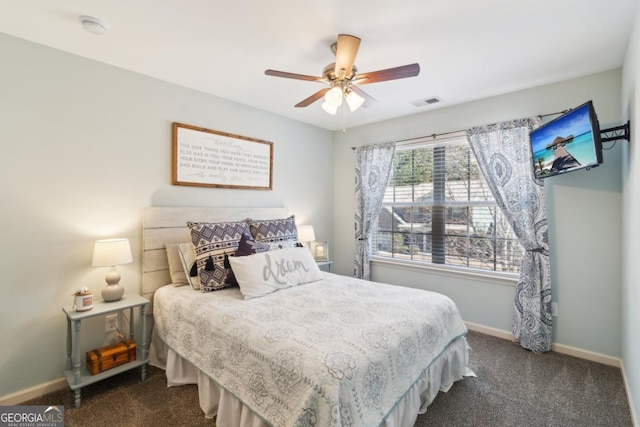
263 273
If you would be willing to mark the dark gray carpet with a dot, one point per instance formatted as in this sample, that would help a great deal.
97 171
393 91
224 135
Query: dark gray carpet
514 387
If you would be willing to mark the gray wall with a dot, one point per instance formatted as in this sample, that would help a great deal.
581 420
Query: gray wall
85 147
583 208
630 222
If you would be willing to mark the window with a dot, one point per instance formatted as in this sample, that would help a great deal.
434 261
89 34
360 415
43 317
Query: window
438 209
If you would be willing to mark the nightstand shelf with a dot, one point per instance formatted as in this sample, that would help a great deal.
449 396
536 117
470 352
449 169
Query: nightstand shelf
76 373
86 378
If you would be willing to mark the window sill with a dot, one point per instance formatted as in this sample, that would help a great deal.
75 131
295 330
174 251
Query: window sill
497 278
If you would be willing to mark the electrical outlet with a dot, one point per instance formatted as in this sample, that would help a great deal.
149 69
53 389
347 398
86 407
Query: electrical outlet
554 309
111 323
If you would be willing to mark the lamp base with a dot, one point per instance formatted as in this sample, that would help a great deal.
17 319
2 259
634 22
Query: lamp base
112 292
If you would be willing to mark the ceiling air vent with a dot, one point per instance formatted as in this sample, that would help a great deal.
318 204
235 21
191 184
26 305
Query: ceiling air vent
426 101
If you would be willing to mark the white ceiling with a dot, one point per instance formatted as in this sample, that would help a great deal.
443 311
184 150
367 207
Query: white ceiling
467 49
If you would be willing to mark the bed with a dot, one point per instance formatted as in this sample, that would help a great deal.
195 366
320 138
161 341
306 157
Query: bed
332 351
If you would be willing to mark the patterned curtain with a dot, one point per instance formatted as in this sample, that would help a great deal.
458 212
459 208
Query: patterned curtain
503 153
373 165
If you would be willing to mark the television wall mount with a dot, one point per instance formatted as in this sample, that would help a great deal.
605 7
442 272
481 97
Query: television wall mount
616 133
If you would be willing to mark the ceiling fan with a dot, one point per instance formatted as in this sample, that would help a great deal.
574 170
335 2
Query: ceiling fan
343 78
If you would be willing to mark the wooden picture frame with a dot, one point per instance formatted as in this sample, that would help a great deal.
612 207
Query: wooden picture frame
209 158
320 250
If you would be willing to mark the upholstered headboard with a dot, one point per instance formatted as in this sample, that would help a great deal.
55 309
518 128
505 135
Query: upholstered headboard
162 225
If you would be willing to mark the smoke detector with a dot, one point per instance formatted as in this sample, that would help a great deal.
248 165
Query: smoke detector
93 25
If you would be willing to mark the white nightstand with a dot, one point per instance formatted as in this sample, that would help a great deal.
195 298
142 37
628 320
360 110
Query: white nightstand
325 265
76 373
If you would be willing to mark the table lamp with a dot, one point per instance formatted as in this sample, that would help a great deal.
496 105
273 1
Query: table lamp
306 234
110 253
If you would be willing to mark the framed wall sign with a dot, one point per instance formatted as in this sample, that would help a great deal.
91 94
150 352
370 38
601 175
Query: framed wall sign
320 250
209 158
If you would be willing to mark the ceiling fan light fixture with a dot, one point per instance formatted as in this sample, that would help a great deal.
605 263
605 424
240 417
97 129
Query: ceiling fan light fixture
329 108
333 97
342 76
354 101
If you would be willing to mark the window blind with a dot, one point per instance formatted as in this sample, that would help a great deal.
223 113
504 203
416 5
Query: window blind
439 209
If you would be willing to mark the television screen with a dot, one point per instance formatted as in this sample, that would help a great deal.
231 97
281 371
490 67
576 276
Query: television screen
567 143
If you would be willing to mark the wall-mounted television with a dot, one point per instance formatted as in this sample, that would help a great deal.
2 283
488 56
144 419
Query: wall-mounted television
567 143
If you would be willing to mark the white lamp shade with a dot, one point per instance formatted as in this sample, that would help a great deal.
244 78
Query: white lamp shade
334 97
354 101
111 252
329 108
306 233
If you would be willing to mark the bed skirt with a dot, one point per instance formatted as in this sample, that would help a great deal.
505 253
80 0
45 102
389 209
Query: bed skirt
229 411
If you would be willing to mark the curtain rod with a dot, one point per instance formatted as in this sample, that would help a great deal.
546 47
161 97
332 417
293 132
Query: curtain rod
435 135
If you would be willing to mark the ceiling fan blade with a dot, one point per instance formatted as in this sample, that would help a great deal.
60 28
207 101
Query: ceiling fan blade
313 98
346 50
402 72
286 75
368 99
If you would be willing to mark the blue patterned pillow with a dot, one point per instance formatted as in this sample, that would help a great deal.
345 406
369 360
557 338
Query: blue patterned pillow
213 243
277 233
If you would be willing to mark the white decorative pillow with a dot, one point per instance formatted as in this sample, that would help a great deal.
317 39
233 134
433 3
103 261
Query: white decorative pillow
188 261
176 271
263 273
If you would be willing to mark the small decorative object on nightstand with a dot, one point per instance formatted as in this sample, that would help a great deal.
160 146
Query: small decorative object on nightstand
109 253
320 250
83 299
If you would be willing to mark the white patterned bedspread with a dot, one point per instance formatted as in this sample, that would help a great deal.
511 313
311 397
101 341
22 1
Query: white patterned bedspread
338 352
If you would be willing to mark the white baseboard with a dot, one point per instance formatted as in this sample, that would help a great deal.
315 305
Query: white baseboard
506 335
634 414
33 392
558 348
588 355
